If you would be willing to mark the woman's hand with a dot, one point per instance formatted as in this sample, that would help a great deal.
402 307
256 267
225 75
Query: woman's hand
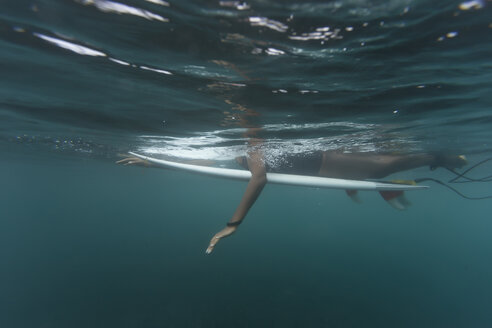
133 161
227 231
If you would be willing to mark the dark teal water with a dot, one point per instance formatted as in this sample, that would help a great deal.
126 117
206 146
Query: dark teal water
88 243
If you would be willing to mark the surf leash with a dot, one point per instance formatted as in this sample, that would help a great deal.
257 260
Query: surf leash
462 178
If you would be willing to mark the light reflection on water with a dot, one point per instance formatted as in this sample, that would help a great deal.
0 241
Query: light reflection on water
122 9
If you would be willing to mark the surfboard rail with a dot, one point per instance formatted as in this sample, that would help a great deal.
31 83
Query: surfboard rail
280 178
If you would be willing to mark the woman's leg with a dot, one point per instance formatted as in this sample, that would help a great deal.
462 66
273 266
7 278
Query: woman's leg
376 166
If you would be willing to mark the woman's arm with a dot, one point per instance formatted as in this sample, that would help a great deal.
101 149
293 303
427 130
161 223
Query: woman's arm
255 186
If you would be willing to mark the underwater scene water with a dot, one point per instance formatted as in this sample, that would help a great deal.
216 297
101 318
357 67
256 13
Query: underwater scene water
85 242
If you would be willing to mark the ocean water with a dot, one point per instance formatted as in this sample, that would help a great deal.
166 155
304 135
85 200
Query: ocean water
85 242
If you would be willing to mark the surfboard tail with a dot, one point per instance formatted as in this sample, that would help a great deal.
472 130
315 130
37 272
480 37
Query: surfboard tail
396 198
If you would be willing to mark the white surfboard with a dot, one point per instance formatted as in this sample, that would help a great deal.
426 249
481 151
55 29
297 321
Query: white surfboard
279 178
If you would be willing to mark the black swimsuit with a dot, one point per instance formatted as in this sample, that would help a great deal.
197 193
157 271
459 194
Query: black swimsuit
302 164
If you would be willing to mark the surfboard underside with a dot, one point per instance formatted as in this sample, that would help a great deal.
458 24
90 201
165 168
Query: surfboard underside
279 178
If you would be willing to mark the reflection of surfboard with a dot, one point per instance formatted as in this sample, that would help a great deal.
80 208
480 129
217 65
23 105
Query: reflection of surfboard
279 178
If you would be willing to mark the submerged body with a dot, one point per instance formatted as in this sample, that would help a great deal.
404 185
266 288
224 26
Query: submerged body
333 164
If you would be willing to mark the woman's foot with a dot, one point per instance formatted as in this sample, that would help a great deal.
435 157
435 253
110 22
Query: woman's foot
449 161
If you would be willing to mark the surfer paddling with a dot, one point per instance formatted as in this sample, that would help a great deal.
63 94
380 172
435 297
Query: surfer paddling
331 164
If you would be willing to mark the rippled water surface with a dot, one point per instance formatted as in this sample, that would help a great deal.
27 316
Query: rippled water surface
107 75
87 243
